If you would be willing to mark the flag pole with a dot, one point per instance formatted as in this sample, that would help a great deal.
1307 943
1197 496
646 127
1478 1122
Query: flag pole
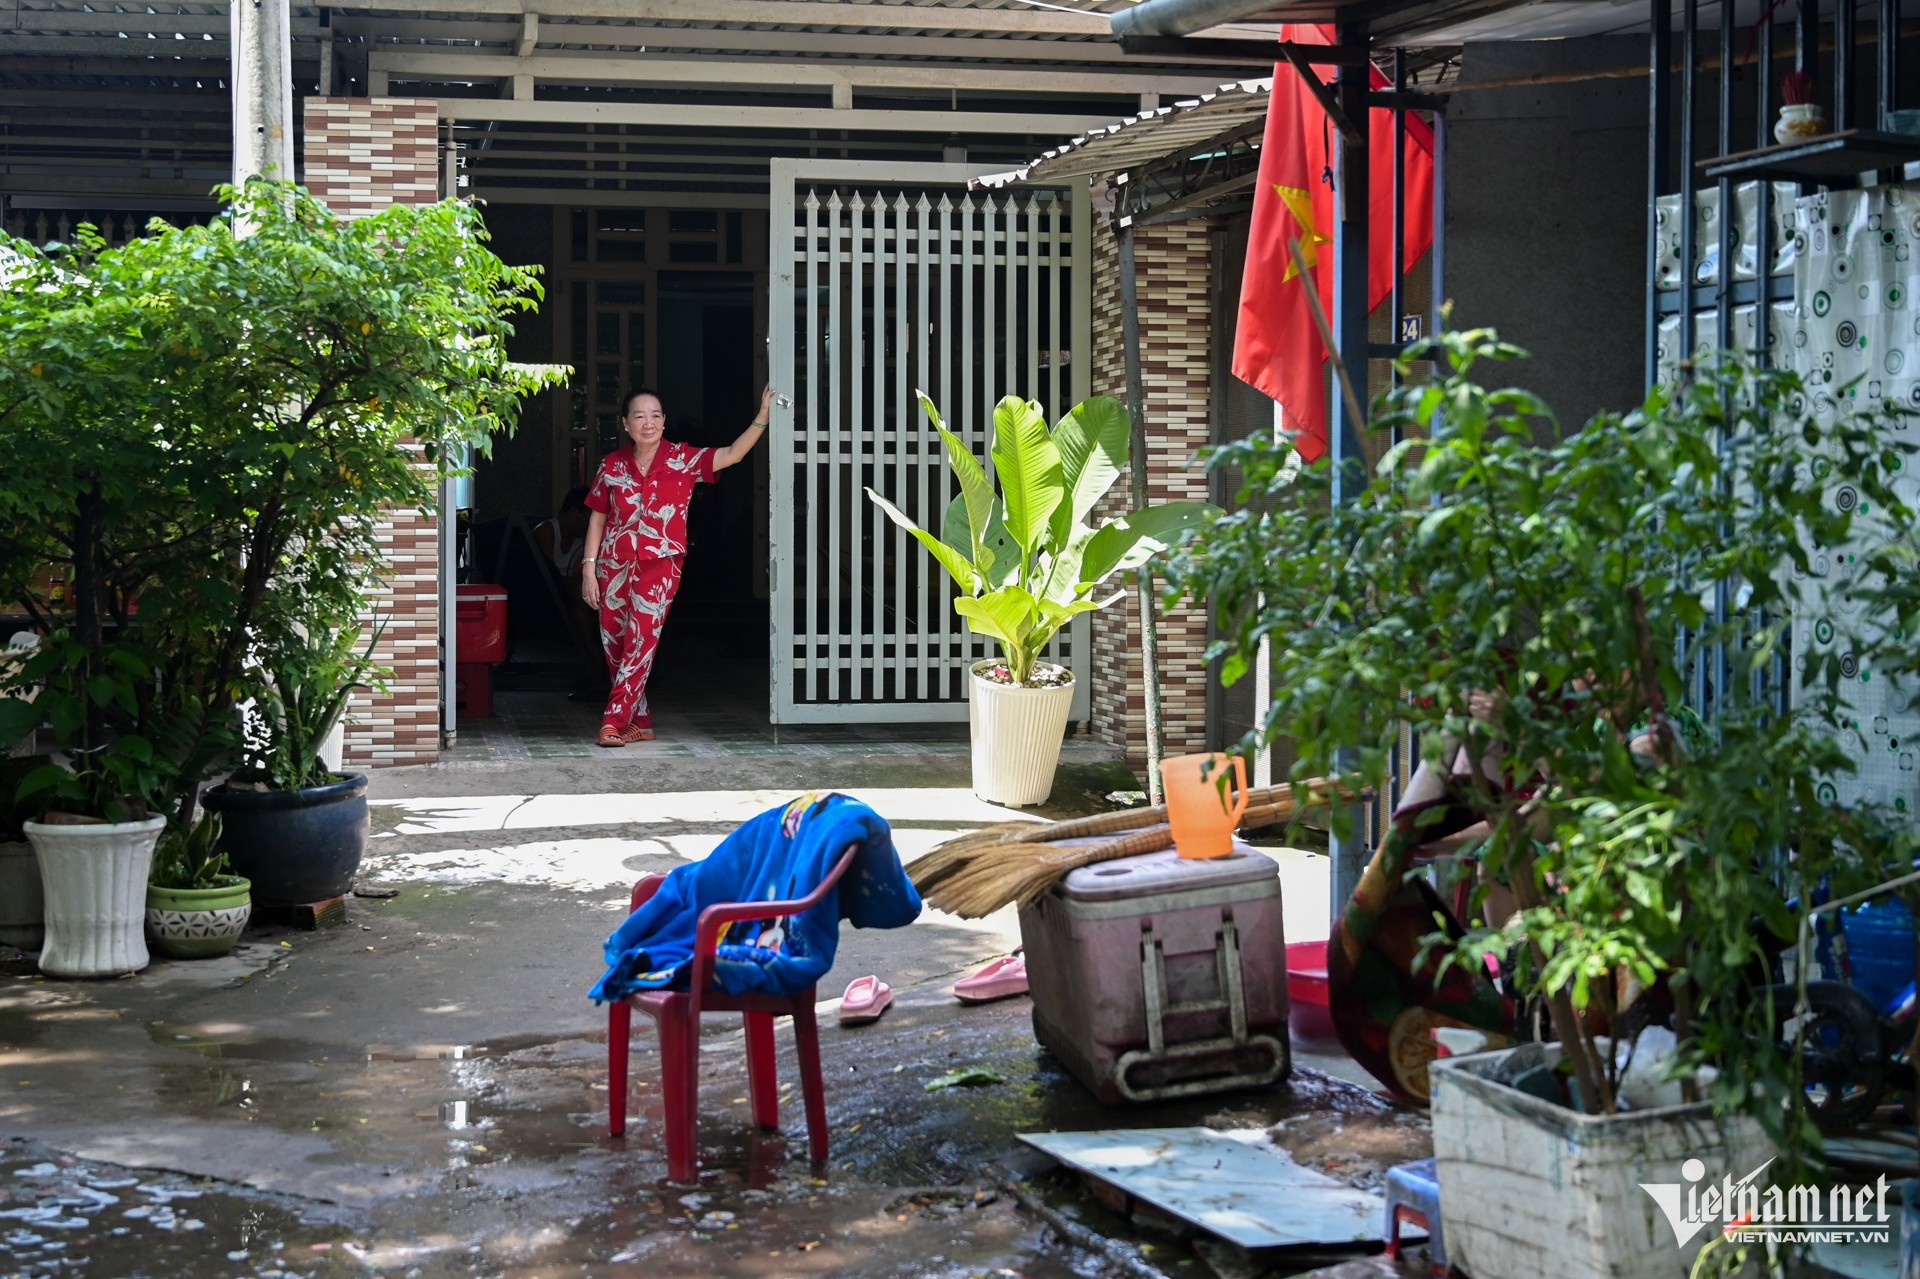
1137 450
1326 331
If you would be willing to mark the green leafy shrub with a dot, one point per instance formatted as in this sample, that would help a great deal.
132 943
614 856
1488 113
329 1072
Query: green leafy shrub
203 428
1541 605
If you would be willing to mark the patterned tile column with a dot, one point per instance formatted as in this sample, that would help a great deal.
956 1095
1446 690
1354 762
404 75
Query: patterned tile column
1174 264
361 155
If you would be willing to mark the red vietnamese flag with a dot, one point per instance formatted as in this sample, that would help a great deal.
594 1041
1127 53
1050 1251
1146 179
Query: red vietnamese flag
1277 349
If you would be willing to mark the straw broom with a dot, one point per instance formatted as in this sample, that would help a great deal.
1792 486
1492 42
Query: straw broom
953 856
1000 874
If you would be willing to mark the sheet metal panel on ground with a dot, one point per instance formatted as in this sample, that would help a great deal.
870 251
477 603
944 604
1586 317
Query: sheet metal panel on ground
1233 1184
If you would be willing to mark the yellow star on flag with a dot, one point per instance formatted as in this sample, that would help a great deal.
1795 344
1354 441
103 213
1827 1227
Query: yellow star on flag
1300 204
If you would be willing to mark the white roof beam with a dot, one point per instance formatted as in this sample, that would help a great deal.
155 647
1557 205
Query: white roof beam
671 115
159 50
600 198
560 33
856 14
645 69
164 25
529 35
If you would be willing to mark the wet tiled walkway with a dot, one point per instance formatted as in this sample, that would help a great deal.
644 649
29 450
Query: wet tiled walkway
543 725
721 716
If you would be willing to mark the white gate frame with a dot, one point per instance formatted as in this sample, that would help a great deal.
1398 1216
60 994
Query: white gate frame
790 177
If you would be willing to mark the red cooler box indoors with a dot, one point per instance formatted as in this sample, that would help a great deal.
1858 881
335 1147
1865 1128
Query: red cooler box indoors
480 639
480 623
1159 976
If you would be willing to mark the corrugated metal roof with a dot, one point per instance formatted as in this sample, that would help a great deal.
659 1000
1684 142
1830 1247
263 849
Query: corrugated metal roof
1143 138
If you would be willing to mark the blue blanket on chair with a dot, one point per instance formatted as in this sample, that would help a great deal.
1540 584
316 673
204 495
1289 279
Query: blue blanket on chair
781 855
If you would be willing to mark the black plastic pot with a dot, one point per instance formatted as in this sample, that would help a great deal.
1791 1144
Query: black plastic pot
296 846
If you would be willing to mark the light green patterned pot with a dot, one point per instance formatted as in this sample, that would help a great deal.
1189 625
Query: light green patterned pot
199 923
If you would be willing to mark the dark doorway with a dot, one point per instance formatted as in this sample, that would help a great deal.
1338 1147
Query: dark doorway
708 349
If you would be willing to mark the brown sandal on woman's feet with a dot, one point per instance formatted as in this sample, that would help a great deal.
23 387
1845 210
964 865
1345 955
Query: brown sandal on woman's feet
636 733
610 736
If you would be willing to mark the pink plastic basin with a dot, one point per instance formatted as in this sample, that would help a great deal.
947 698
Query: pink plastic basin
1307 1015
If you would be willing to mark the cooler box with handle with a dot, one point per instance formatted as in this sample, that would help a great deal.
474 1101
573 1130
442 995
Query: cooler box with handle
480 639
1162 976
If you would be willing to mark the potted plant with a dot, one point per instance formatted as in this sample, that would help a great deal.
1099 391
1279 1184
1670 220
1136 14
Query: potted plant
1539 616
1025 550
22 909
293 826
97 828
195 909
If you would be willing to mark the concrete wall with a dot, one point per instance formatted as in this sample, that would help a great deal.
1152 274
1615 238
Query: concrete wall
1175 266
362 155
1547 218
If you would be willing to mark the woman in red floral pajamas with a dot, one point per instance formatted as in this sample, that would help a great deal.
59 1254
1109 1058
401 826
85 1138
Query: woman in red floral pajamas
636 537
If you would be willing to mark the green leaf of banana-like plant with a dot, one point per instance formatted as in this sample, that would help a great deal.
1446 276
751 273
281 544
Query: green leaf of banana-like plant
995 558
1009 617
956 564
1062 582
1028 467
1131 540
1092 440
976 490
1008 614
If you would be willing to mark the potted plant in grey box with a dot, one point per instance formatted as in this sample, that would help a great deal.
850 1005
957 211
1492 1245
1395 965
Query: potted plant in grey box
1027 559
1537 615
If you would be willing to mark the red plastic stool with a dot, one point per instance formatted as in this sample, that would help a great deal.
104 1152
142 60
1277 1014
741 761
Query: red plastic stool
676 1014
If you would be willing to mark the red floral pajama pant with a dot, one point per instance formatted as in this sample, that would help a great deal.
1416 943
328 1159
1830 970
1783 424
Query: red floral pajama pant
634 598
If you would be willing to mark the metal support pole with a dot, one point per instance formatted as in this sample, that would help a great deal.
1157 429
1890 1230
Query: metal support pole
450 525
262 90
1137 411
1659 131
1844 61
1438 262
1349 323
1888 62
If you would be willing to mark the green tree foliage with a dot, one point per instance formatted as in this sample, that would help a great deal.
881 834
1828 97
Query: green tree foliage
202 429
1543 607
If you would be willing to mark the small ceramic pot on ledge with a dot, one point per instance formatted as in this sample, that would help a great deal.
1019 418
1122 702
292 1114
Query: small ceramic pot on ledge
1799 121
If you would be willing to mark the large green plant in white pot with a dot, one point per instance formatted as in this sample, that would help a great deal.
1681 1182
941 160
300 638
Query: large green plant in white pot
1020 545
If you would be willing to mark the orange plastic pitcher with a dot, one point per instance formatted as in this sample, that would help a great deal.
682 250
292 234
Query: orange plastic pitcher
1202 811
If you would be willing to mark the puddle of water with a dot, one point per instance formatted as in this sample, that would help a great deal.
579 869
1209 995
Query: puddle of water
61 1216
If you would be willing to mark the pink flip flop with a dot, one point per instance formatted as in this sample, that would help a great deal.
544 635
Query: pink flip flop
865 1000
1000 979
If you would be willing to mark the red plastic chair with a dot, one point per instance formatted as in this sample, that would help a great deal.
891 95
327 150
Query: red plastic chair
676 1014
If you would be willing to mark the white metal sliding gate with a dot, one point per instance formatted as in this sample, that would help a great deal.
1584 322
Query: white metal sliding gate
886 279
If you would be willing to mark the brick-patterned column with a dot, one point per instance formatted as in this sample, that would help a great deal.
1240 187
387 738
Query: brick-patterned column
361 155
1174 264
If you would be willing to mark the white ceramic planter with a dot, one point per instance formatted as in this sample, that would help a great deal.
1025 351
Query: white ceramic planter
1017 734
21 903
1799 122
1528 1188
95 879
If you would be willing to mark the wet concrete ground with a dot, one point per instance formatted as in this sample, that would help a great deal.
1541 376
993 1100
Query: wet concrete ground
423 1091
